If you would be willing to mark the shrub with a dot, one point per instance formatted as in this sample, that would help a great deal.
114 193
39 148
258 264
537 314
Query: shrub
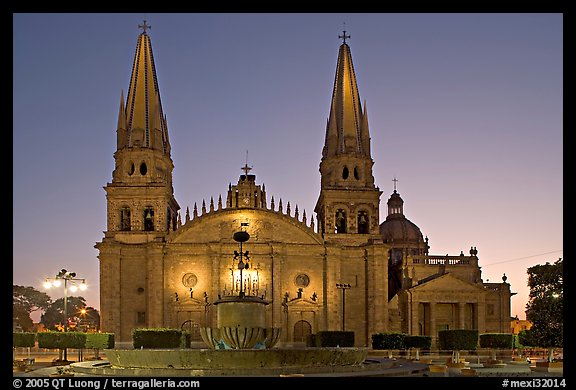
526 338
334 338
186 340
458 339
61 340
421 342
389 341
157 338
99 341
26 339
497 340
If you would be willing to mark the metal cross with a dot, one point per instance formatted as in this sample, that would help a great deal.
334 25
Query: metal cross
144 26
246 168
395 180
344 36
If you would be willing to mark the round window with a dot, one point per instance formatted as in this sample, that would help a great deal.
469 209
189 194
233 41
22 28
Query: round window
302 280
189 280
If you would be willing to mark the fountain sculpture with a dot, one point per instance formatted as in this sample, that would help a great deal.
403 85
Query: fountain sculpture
240 345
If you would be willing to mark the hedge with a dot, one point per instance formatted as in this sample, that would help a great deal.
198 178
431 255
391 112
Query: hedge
497 340
25 339
157 338
458 339
421 342
389 340
99 341
61 340
334 338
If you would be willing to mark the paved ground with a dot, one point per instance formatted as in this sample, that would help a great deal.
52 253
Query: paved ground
43 366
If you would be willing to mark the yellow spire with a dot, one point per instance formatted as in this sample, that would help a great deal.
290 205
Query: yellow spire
347 131
145 121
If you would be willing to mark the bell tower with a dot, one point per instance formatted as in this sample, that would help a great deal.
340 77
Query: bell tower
141 197
348 202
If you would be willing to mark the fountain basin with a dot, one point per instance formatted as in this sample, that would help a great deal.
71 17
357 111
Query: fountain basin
236 359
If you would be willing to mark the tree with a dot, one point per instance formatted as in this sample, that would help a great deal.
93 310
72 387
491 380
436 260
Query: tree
54 314
26 300
87 318
545 307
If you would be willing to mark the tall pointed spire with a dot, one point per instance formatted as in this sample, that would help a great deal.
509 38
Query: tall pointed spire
143 166
347 191
145 120
346 131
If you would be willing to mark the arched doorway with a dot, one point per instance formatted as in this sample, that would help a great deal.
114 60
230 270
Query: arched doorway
301 330
193 328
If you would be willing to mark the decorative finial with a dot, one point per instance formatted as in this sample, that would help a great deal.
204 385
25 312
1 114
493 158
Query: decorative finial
144 26
246 168
395 181
344 36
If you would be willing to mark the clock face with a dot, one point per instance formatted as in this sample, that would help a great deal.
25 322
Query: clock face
246 201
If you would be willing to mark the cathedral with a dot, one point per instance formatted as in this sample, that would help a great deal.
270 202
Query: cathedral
344 268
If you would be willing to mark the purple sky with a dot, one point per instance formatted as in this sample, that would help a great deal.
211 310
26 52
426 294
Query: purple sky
465 110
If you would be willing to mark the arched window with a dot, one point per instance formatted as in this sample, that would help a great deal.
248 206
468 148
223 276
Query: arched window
143 168
148 219
345 173
363 223
356 173
131 169
301 330
125 219
340 221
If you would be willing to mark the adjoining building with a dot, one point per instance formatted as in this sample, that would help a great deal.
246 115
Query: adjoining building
342 268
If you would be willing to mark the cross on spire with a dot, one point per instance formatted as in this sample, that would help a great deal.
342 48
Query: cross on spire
344 36
246 168
144 26
395 181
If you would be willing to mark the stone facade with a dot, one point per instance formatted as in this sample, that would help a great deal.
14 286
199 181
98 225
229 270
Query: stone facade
159 271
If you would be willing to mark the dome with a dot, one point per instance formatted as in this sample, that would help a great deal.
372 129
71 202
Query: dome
398 229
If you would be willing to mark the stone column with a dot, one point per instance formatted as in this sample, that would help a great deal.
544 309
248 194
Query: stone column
480 316
155 286
278 314
331 293
413 306
277 294
461 315
432 316
217 259
110 292
377 290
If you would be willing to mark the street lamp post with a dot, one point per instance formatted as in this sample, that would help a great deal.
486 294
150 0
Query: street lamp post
66 276
343 287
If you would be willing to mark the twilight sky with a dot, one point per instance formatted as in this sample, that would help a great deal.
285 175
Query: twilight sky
465 110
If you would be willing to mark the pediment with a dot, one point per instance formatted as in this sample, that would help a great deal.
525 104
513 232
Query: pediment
447 282
302 302
263 226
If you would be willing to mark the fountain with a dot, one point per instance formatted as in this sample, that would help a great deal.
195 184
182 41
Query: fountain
240 345
241 318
